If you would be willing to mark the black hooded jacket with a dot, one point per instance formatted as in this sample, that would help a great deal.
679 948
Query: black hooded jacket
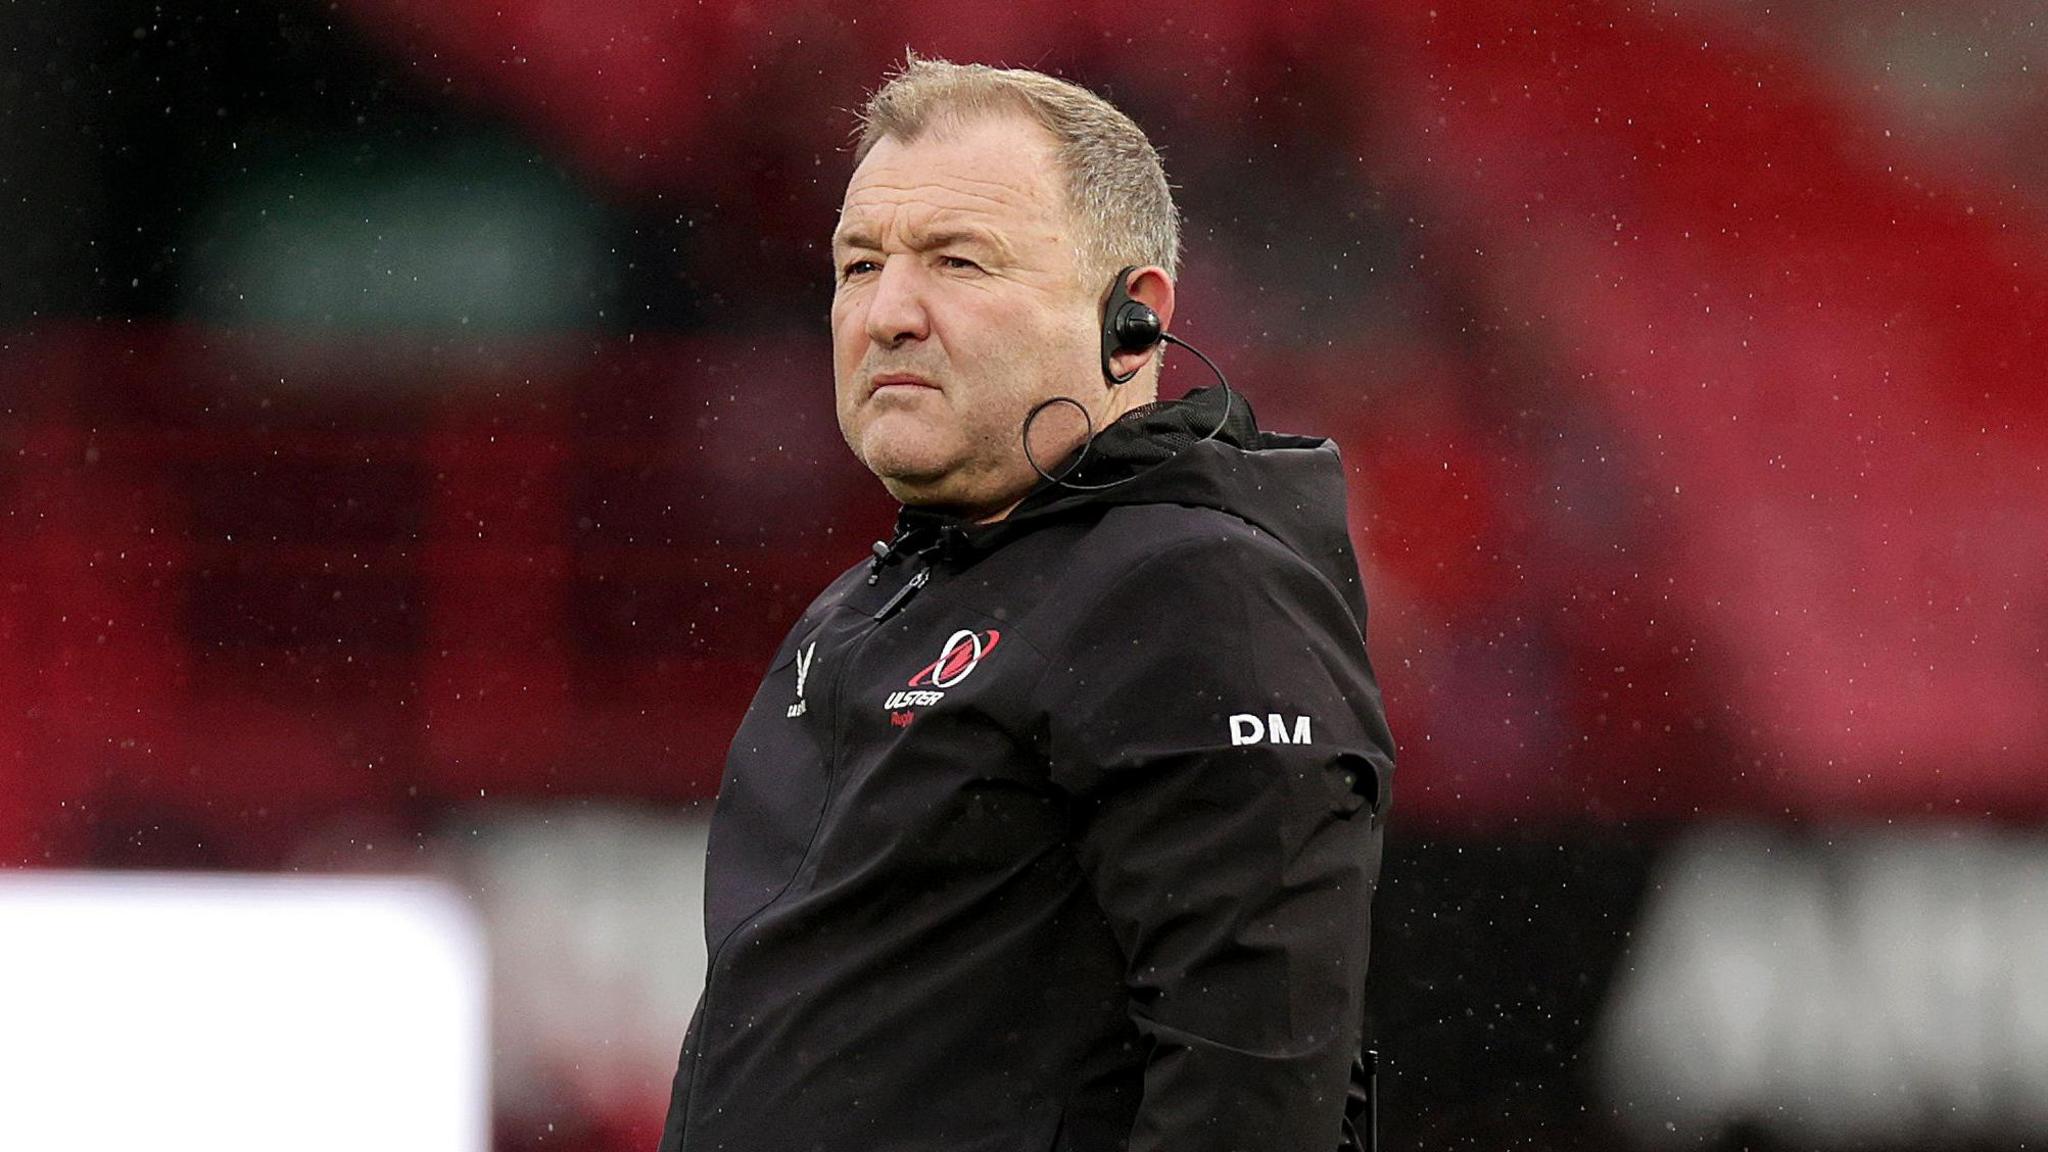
1059 832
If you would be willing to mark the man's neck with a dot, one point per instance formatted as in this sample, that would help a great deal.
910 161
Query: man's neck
995 516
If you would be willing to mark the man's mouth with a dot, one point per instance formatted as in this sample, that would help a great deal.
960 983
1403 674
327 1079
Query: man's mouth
899 380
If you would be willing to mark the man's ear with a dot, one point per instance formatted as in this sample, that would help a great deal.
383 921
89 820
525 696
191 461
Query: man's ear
1152 287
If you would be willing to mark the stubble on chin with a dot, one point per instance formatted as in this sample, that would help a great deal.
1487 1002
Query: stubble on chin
964 475
902 457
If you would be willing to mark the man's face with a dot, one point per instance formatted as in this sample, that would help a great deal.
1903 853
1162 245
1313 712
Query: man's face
959 306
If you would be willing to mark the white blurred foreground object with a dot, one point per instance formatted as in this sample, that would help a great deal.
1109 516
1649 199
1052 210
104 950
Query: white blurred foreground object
597 927
220 1012
1883 988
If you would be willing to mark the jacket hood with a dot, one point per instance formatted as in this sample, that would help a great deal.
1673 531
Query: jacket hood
1290 487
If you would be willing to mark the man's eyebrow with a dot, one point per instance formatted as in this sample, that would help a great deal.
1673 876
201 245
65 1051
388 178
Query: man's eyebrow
957 236
858 237
854 237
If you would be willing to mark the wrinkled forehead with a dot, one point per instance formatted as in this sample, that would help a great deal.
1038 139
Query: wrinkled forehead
993 171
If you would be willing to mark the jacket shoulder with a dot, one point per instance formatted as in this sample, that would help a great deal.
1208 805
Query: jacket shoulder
1133 536
1144 569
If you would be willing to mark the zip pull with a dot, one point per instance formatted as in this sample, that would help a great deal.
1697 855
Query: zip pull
904 593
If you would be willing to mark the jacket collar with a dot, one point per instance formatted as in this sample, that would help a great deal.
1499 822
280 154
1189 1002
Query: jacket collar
1139 443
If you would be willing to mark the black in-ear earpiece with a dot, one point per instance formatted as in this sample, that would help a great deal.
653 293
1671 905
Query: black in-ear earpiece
1127 326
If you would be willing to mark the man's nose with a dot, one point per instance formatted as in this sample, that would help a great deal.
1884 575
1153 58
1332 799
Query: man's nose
896 312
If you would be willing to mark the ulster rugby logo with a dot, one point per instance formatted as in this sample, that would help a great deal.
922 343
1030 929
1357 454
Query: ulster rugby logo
961 654
963 650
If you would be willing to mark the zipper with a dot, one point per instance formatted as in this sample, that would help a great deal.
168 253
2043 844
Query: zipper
904 593
902 596
837 692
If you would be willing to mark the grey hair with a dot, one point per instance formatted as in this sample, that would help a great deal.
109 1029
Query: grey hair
1116 186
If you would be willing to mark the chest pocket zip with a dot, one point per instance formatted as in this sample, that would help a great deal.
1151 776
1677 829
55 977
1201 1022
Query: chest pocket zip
904 593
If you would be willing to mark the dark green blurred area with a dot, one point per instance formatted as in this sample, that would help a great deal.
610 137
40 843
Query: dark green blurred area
406 411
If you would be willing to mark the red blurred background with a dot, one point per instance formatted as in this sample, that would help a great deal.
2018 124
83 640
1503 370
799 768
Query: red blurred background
410 409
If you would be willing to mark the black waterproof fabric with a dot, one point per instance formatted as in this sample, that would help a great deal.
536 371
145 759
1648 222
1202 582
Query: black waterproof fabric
1059 832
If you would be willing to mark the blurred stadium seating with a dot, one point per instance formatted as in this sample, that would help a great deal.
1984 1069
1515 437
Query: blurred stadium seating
415 419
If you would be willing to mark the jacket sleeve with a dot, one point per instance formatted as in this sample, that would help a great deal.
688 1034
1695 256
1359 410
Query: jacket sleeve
1216 722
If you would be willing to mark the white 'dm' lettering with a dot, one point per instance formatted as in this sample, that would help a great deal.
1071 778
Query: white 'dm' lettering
1245 728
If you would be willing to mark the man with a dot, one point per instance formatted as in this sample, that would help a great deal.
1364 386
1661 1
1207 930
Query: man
1055 824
